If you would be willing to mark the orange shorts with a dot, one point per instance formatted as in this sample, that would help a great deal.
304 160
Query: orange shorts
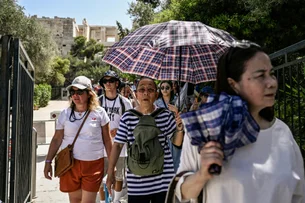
85 175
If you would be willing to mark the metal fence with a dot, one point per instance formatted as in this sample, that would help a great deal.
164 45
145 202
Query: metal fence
289 64
16 122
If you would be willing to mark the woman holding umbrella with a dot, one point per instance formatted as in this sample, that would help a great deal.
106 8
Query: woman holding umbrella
271 169
167 100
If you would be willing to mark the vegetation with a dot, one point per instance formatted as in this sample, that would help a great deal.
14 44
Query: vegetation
36 40
42 95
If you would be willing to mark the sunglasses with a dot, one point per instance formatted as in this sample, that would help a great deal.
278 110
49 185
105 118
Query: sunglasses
149 90
78 92
165 87
111 80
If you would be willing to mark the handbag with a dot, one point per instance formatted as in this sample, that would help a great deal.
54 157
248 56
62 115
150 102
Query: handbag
170 195
64 160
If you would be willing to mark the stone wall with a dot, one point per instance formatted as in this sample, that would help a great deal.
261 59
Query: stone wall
63 31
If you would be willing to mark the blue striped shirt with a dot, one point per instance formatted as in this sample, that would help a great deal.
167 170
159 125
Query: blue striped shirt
145 185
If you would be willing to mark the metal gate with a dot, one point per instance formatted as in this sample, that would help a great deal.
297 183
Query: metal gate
289 65
16 122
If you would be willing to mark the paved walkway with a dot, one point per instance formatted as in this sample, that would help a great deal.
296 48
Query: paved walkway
47 191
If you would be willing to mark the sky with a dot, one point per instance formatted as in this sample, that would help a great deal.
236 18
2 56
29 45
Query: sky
96 12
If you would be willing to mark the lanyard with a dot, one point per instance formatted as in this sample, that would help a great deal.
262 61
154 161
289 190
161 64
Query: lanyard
112 105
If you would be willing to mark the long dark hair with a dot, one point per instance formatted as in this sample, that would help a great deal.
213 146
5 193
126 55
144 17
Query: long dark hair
232 65
172 96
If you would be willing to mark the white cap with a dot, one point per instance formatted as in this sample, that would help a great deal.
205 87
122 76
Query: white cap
81 82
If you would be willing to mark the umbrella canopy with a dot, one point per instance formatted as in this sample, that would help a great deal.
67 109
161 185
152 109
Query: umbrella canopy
174 50
224 119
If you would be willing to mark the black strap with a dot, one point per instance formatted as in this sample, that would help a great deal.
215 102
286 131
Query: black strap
170 195
136 113
121 102
153 114
157 112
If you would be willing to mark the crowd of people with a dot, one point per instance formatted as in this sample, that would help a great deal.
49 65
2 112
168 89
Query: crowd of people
111 144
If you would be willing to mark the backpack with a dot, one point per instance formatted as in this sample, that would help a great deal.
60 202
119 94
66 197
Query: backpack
146 154
101 98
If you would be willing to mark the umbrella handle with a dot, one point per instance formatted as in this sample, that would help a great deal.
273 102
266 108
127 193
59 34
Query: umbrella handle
215 169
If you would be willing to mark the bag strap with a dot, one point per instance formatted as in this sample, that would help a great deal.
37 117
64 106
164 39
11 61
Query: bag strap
172 186
157 112
80 127
136 113
122 104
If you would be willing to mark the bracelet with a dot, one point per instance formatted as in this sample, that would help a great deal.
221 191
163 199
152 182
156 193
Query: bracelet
48 161
180 130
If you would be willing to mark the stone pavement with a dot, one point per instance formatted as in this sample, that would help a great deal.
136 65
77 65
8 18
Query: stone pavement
47 191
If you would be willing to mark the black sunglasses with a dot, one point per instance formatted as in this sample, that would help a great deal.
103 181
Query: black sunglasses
165 87
111 80
78 92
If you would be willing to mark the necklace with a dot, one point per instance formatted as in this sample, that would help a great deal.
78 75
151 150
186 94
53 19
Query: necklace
73 118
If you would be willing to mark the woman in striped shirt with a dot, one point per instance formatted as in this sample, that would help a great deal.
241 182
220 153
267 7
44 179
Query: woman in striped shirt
151 188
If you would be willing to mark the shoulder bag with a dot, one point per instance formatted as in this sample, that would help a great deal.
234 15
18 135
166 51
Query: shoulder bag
64 160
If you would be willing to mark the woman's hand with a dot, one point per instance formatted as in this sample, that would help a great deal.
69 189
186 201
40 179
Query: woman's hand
173 108
210 154
48 173
179 122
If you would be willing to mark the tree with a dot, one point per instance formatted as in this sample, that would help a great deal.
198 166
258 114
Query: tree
82 48
141 14
121 31
60 67
153 3
37 41
269 23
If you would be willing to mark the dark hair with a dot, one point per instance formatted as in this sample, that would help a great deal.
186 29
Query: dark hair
232 65
144 77
172 96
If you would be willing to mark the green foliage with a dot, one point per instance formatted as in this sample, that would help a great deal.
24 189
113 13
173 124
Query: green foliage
37 41
59 68
153 3
141 14
42 95
265 22
290 106
85 49
121 31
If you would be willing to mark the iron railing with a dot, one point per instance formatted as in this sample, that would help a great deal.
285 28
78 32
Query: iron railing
16 107
289 64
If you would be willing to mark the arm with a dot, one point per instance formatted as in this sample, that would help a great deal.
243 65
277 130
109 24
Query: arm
177 139
54 146
115 153
106 138
190 186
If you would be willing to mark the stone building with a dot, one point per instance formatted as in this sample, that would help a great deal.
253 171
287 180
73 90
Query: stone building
65 29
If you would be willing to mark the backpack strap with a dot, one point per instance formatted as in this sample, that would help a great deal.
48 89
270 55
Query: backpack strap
101 100
157 112
135 112
122 104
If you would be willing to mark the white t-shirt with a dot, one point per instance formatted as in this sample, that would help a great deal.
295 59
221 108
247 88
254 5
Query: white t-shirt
114 111
89 145
268 171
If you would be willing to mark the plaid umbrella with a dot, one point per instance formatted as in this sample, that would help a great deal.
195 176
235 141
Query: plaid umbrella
174 50
225 119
